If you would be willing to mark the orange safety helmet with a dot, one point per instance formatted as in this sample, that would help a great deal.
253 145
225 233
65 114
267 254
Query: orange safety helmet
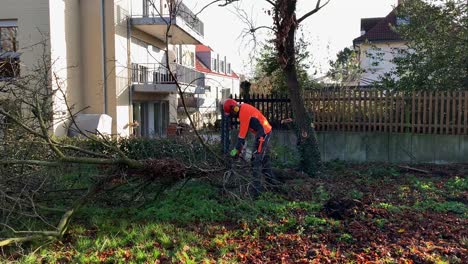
230 105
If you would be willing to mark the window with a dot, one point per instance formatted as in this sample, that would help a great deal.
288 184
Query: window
221 63
402 21
225 93
189 59
151 119
140 119
192 59
161 118
214 64
9 56
229 68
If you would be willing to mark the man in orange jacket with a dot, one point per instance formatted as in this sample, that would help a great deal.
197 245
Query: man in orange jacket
250 118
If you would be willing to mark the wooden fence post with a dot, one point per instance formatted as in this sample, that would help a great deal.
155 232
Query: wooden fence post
465 114
429 115
436 113
453 118
459 113
447 115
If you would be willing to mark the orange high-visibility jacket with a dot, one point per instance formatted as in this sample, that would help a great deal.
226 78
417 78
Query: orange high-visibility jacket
252 119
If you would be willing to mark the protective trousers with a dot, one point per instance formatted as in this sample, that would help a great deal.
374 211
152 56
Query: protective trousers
261 164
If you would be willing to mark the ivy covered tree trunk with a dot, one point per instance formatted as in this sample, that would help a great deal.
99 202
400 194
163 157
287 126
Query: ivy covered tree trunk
307 137
286 25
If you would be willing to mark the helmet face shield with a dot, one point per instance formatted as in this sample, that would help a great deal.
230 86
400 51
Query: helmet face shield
230 106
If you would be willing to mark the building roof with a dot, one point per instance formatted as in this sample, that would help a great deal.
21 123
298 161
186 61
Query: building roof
368 23
379 29
201 67
202 48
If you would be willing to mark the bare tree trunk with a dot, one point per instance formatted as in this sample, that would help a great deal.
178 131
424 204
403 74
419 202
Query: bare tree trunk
286 25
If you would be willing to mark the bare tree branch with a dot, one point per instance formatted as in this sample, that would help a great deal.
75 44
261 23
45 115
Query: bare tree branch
271 3
315 10
226 2
252 30
30 162
16 121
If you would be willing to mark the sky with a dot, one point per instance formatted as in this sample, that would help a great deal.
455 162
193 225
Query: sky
330 30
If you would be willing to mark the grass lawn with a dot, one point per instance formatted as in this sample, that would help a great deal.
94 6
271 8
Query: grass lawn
372 213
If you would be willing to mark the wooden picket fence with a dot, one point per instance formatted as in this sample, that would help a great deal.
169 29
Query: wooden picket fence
368 110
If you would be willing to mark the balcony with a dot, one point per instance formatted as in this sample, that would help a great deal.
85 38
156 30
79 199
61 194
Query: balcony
156 78
192 103
185 28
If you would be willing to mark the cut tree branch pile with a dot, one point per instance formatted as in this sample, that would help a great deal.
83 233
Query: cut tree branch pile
30 146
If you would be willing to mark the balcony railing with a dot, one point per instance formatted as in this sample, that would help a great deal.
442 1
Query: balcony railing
191 102
192 21
182 11
154 73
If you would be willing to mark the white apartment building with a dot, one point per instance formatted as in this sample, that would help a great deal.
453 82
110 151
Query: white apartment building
110 56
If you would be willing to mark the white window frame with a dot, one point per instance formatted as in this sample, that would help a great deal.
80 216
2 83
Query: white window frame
10 23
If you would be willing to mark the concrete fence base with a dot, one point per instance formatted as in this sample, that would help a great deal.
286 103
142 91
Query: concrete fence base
384 147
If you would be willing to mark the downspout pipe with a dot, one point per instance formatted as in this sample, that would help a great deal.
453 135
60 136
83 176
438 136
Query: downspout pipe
104 52
129 63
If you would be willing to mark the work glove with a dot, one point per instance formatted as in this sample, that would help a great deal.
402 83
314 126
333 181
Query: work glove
234 152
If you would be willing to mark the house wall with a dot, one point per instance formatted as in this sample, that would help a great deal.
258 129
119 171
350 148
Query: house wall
384 52
92 64
33 28
122 69
65 54
33 23
144 53
219 82
50 28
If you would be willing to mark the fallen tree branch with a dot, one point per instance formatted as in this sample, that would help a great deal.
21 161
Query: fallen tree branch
17 240
31 162
414 169
64 221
